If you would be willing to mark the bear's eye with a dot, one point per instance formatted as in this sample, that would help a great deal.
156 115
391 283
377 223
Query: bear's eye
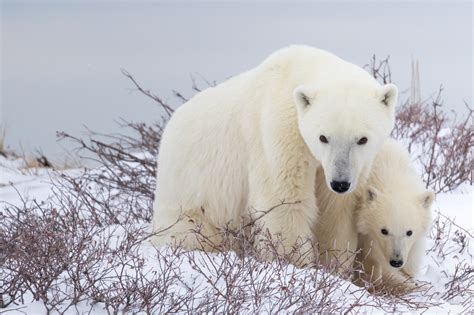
409 232
384 231
362 141
323 139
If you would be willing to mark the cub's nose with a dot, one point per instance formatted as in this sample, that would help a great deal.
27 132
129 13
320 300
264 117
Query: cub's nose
396 263
340 187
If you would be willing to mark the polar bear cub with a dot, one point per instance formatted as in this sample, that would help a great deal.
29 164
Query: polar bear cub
392 220
242 147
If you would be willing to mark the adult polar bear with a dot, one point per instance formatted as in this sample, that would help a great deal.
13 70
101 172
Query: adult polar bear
247 144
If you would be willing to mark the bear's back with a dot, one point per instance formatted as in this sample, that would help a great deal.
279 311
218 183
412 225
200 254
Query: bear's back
298 63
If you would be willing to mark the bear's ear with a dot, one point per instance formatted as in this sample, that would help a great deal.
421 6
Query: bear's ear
371 194
303 98
389 95
427 199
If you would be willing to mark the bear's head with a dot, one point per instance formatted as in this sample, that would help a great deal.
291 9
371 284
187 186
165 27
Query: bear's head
394 222
344 126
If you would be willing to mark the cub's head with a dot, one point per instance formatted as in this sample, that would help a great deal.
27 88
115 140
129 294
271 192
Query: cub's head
344 127
394 223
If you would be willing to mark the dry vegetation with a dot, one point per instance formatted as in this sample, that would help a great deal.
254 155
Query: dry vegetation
85 247
441 144
2 141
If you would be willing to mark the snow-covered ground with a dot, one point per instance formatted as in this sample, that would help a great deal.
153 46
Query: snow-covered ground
449 246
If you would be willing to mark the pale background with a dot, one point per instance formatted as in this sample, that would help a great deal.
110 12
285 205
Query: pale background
61 61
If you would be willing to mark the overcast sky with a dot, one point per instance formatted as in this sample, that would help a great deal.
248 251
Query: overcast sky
61 61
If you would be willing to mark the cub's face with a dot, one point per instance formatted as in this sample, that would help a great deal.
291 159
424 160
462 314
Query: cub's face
344 128
394 224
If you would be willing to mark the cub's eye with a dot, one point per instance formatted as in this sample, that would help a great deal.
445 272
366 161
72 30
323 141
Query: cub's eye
384 231
323 139
409 232
362 141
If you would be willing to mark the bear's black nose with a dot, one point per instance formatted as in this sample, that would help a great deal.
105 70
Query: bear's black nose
340 187
396 263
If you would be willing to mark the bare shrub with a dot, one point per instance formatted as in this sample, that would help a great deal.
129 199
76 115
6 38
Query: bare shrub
380 69
87 245
127 178
39 243
441 145
59 256
450 245
3 149
37 160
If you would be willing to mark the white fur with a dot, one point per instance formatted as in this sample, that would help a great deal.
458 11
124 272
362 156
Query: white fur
395 200
336 230
353 221
250 142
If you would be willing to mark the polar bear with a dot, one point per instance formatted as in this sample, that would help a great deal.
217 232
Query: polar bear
392 195
242 147
392 221
336 231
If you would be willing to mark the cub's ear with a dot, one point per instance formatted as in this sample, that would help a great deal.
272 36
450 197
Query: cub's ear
388 95
303 98
427 199
371 194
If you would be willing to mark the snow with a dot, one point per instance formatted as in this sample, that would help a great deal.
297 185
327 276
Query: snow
16 179
458 206
16 182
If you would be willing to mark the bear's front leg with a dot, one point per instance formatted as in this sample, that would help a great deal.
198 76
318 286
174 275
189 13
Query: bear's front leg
397 282
282 180
285 230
